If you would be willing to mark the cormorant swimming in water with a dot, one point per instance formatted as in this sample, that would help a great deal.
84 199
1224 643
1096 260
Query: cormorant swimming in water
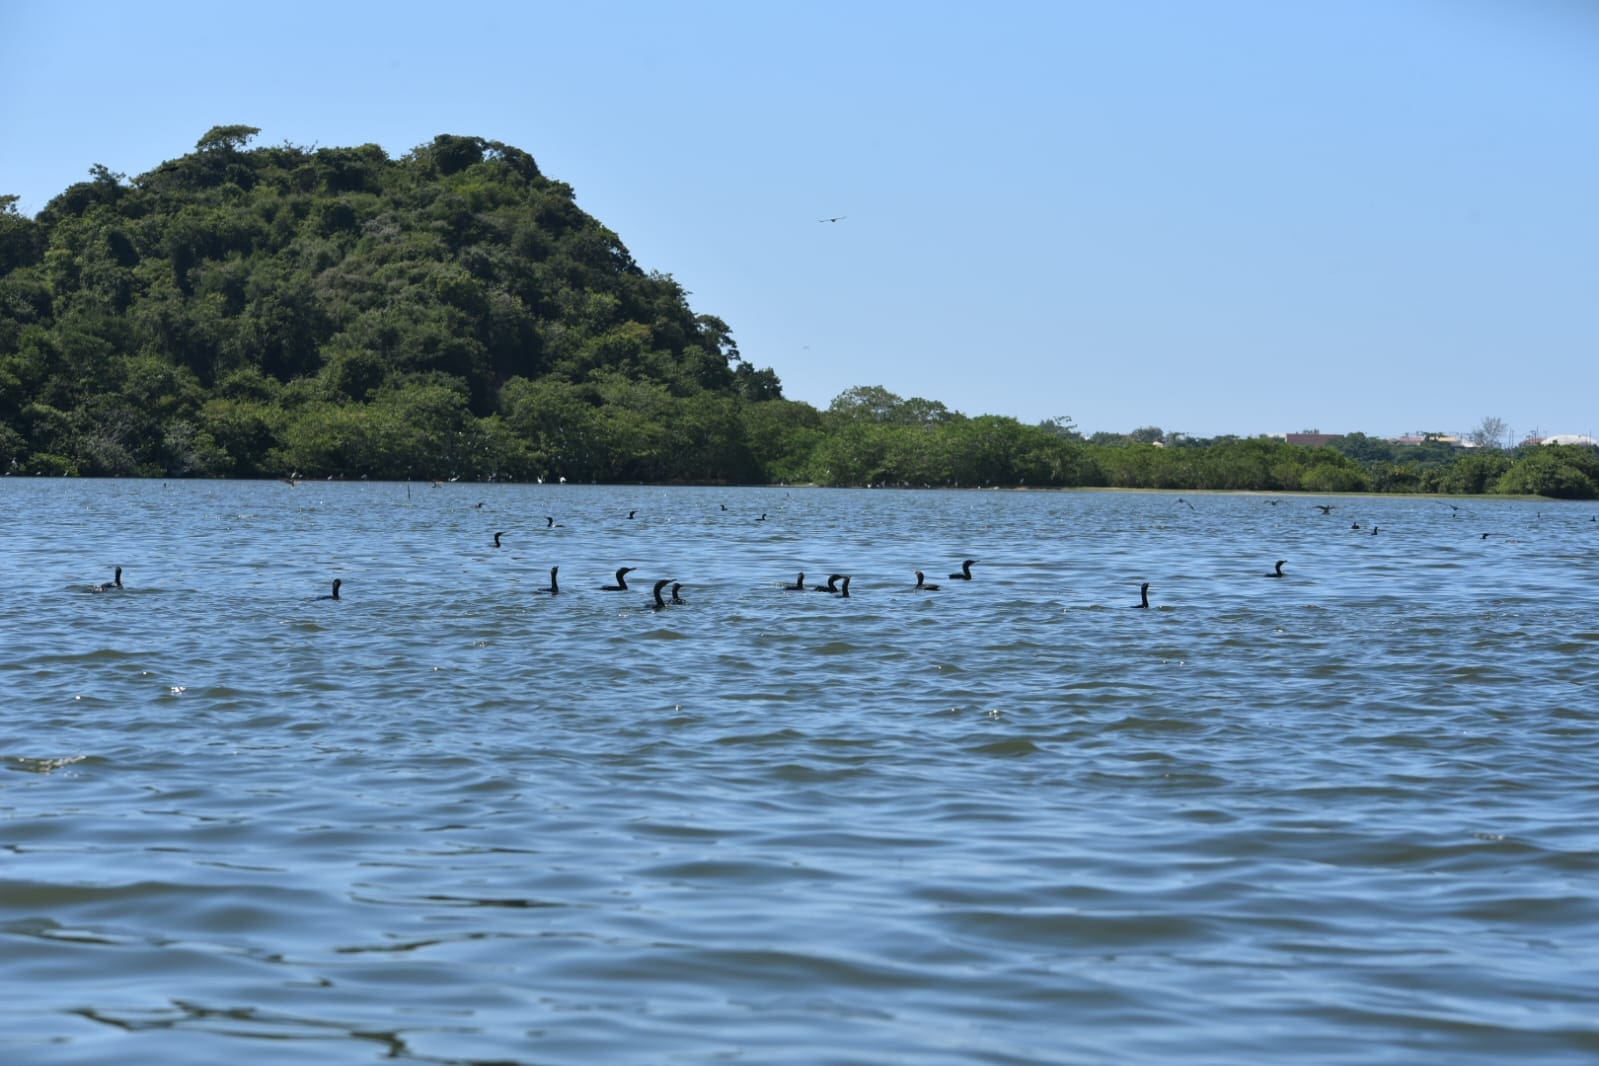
966 571
621 580
335 594
798 585
831 586
660 604
1354 525
843 592
549 522
114 585
555 588
1143 596
675 597
922 585
1279 571
1374 530
497 537
630 514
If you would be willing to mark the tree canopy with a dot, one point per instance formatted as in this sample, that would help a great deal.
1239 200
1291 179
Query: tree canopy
250 311
255 311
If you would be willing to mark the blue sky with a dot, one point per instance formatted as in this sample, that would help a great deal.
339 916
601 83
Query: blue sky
1239 216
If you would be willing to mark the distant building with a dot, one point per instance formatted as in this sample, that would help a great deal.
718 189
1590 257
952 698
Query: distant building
1566 438
1440 438
1312 440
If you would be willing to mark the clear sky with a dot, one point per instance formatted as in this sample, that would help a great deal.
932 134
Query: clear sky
1232 216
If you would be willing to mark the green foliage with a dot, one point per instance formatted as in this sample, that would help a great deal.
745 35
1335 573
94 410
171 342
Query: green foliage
249 311
226 138
253 312
1566 472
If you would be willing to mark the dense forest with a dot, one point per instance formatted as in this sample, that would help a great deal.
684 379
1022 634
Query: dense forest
267 311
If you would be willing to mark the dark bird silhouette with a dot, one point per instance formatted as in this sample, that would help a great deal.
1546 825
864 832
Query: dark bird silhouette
1325 508
1279 571
831 586
477 506
1374 530
1143 596
550 523
335 593
630 514
835 218
497 537
555 586
676 598
922 585
621 580
843 590
965 571
660 604
798 585
1191 507
114 585
762 518
1354 525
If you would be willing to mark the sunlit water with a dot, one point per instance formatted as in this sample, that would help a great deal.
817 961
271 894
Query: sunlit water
1345 816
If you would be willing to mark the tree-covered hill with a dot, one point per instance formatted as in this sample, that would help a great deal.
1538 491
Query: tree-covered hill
247 311
254 312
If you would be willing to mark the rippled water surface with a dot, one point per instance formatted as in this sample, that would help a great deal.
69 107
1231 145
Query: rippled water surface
1344 816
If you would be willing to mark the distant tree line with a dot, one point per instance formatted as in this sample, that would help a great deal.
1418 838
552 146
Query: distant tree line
333 312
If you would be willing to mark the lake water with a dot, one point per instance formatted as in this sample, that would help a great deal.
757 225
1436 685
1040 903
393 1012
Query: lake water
1345 816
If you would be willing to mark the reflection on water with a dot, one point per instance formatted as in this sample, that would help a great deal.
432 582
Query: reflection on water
1342 816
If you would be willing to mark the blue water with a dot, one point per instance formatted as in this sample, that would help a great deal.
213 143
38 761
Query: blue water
1346 816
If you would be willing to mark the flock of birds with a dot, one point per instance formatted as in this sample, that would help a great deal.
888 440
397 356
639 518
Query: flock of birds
837 584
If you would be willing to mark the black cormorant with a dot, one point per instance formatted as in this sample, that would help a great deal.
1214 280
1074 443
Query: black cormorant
659 603
621 580
922 585
497 537
798 585
831 586
114 585
1279 571
966 571
675 597
335 593
1143 595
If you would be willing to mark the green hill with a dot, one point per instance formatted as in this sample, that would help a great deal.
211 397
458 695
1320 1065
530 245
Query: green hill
249 311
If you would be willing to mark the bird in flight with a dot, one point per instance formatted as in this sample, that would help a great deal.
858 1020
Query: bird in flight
835 218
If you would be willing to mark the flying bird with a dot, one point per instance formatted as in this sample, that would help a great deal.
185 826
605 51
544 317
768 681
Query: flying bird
835 218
